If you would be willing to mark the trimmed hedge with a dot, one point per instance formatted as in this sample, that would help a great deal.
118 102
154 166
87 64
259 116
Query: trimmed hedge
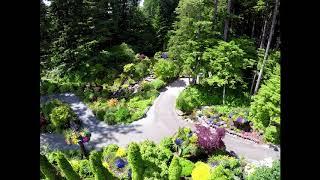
66 168
99 171
135 161
48 169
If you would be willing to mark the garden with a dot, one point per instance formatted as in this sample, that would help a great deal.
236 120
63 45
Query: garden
197 155
117 57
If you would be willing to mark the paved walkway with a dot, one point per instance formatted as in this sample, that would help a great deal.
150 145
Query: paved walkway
161 121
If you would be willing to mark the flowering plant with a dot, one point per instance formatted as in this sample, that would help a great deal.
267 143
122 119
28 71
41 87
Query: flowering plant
112 102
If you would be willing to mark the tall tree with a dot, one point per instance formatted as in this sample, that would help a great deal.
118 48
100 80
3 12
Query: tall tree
274 19
227 20
215 10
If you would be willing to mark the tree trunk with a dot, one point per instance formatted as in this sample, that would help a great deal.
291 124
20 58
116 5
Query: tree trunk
215 11
254 79
224 94
278 42
226 22
274 19
252 32
264 31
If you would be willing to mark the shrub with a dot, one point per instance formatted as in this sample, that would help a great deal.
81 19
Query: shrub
112 102
47 108
187 166
128 68
194 97
84 169
110 149
272 134
135 161
174 169
122 114
99 171
166 143
225 167
61 116
209 141
157 83
48 169
66 168
140 70
201 171
266 104
188 100
156 159
109 116
266 173
166 69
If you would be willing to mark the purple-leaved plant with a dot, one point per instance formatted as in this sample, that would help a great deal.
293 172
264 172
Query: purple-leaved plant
209 141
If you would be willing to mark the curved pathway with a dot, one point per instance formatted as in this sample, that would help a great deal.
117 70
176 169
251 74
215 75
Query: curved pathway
161 121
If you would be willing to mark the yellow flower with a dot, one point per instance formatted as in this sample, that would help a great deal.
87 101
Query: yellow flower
121 152
193 138
201 171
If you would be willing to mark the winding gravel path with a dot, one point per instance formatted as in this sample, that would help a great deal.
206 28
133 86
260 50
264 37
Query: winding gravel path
161 121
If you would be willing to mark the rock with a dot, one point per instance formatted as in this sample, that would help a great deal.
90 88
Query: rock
180 113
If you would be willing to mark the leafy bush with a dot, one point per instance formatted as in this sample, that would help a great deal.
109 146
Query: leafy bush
195 96
66 168
61 116
48 169
135 161
266 173
201 171
122 114
157 83
272 134
100 173
156 160
266 104
140 70
85 169
187 166
47 108
166 143
208 141
166 69
265 108
174 169
225 167
109 116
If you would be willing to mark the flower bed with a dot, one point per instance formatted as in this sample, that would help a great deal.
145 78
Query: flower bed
234 124
185 155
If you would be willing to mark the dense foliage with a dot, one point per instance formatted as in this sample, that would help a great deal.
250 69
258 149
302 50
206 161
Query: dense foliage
48 169
148 160
265 108
174 169
66 168
56 116
267 173
96 165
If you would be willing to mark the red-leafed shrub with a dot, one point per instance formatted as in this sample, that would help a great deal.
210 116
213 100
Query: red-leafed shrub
209 141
